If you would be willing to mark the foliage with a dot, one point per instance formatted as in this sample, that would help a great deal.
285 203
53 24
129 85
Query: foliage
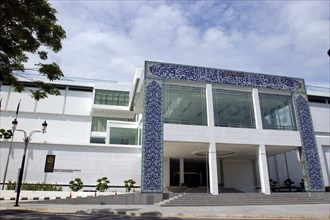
102 184
288 183
5 134
29 27
35 186
273 185
129 184
76 184
302 185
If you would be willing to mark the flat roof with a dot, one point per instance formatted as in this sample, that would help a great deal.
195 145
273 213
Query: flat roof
318 91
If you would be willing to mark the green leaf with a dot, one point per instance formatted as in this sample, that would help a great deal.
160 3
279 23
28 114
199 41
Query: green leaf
52 71
25 26
43 55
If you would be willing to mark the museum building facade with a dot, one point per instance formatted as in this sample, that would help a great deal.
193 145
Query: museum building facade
176 125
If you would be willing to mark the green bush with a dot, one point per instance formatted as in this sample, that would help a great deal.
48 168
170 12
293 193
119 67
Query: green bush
76 184
129 184
35 186
102 184
5 134
11 186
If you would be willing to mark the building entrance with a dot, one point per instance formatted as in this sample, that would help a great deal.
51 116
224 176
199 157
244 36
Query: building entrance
194 171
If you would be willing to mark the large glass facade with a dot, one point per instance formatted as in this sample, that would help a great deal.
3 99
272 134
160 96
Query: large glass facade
185 105
109 97
277 112
233 109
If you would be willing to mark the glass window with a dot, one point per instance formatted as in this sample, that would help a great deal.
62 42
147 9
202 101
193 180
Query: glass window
233 109
277 112
109 97
97 140
127 136
184 105
100 123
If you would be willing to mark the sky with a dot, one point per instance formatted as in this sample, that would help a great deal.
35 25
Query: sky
108 39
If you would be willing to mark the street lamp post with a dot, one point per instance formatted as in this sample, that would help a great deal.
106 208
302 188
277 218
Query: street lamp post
26 139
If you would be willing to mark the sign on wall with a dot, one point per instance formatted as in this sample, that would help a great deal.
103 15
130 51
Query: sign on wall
49 164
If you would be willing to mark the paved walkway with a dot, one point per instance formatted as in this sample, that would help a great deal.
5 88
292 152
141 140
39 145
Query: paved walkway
317 211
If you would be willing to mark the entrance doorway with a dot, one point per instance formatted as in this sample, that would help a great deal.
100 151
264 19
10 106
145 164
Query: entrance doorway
195 173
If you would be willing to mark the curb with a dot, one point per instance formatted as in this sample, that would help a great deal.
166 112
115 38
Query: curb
33 198
171 215
42 198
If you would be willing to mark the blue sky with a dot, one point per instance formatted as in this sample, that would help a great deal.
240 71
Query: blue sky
109 39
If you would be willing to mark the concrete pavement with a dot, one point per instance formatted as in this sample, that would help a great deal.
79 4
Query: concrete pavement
314 211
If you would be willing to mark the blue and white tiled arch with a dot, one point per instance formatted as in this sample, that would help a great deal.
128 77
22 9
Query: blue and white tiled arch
152 142
312 167
152 146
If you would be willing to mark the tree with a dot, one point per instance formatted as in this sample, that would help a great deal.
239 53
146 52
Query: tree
129 184
29 26
102 184
76 184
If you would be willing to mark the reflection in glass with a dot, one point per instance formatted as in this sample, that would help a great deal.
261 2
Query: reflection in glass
233 109
100 123
277 112
184 105
109 97
126 136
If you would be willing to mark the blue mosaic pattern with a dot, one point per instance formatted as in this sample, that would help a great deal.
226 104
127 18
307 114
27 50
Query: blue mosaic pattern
209 75
152 151
310 152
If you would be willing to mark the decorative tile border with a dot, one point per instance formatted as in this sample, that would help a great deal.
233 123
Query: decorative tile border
152 150
310 153
152 147
209 75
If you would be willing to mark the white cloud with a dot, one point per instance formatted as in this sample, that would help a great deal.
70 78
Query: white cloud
108 39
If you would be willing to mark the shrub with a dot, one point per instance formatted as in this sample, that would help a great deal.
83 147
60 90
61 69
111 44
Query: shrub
5 134
76 184
102 184
11 186
35 186
129 184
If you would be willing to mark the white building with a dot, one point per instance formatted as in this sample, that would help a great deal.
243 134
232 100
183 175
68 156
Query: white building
174 125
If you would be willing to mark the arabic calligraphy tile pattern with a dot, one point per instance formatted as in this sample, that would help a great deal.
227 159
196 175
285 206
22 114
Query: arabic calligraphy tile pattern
152 151
311 157
209 75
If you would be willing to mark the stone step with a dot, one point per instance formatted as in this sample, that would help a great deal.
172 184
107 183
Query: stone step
248 199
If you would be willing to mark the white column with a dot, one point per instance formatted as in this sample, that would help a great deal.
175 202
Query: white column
256 108
181 171
209 105
263 169
166 172
213 171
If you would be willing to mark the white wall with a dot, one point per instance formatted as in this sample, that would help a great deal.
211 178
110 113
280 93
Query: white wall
86 162
321 116
326 171
239 174
69 102
321 121
78 103
176 132
11 100
68 115
63 129
52 104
